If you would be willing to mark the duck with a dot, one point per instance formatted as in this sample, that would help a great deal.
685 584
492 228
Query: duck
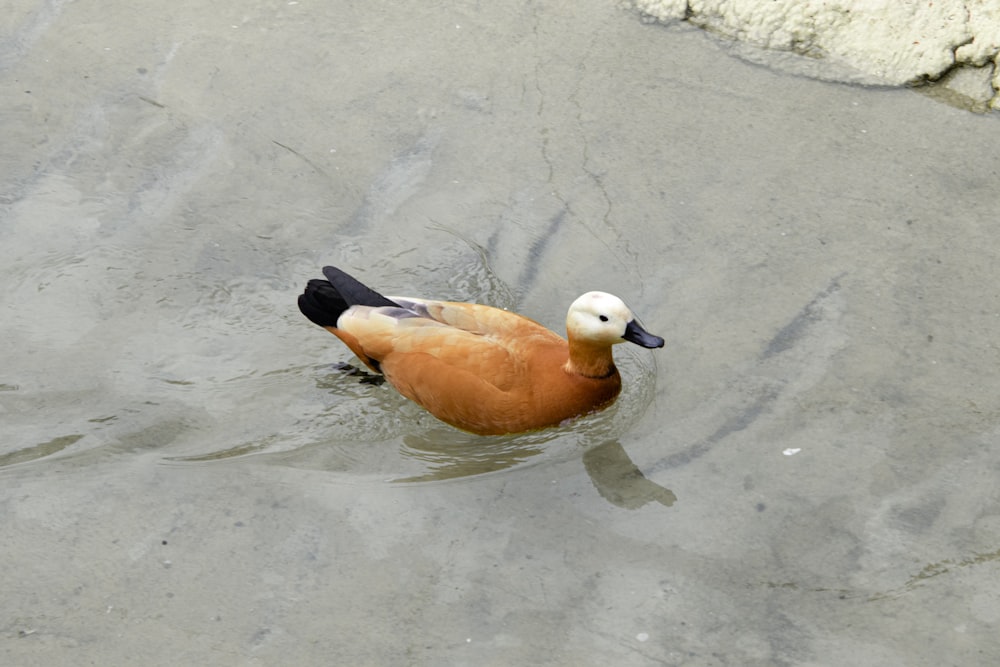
481 369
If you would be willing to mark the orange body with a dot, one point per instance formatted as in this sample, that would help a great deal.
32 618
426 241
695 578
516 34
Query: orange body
481 369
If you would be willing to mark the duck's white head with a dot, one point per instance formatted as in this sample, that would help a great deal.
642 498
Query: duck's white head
604 319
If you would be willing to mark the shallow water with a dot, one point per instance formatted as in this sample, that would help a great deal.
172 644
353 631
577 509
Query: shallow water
805 474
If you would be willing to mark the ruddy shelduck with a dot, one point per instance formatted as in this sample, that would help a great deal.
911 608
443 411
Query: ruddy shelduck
481 369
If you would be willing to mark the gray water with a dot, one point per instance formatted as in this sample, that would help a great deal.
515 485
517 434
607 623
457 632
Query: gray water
806 474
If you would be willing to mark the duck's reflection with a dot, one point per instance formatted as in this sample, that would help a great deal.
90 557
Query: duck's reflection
619 481
451 455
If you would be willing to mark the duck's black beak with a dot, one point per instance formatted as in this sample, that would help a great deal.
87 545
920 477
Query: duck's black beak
634 333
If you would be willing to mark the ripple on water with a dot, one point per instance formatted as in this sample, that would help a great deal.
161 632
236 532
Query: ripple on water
361 431
38 451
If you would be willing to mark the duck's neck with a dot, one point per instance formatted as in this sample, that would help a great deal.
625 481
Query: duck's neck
591 361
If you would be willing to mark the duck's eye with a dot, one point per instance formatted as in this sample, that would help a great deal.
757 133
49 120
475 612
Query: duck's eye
604 318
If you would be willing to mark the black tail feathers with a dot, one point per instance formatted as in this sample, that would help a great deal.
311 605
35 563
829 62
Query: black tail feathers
353 292
321 303
324 300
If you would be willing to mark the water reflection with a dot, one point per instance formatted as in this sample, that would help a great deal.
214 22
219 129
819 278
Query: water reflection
619 480
449 454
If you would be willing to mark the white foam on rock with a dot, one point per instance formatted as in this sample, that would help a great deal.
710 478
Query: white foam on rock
886 41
